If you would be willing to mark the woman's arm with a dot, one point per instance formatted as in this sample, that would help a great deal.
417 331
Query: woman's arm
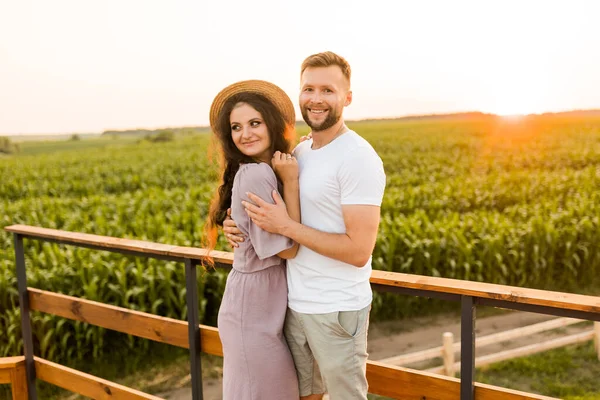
291 197
286 168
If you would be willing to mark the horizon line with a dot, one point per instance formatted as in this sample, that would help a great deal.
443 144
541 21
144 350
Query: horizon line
390 118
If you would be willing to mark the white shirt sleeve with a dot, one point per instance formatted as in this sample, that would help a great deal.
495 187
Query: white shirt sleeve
362 178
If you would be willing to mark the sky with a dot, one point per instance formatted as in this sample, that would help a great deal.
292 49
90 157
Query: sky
94 65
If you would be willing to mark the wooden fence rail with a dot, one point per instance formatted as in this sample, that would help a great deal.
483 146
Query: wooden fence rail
449 346
385 380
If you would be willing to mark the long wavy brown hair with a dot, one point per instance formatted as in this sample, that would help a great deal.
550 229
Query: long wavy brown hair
281 136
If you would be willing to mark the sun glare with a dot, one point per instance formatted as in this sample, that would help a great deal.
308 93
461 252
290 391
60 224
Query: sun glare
514 109
517 102
518 94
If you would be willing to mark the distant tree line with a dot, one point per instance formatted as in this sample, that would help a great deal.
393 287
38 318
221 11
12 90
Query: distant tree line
8 147
185 131
162 136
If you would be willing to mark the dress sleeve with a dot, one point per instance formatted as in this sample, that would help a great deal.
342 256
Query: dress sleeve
260 180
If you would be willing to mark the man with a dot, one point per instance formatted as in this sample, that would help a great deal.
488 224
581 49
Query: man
341 188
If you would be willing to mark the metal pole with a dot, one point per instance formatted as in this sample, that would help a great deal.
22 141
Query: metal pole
467 348
25 317
193 327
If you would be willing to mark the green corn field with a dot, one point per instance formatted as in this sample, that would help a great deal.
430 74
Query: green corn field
480 198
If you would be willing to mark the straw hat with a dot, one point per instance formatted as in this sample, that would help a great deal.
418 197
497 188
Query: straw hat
272 92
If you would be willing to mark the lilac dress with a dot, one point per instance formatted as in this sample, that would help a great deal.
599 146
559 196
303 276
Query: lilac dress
257 362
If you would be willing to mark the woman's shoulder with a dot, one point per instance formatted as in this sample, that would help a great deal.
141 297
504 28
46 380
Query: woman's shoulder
253 172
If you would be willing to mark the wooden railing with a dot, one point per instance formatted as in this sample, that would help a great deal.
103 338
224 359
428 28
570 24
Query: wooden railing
449 346
384 380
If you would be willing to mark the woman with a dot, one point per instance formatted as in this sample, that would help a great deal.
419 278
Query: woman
254 121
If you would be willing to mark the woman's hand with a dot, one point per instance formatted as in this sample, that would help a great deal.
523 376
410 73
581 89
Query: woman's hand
285 166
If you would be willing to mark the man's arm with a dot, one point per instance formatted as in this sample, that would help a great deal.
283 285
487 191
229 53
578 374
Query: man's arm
353 247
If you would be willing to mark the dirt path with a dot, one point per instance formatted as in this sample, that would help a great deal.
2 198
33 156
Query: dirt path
394 338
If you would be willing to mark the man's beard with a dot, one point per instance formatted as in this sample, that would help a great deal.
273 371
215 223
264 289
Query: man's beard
330 121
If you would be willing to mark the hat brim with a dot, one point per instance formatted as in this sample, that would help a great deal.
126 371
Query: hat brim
272 92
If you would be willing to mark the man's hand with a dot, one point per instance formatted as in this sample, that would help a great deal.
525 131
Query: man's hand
272 218
232 233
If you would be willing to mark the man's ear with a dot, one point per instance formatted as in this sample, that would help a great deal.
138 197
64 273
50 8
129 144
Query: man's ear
348 98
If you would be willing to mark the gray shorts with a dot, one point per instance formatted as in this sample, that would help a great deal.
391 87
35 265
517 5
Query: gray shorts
330 352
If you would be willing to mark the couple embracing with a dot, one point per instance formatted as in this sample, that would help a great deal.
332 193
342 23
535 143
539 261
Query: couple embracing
295 311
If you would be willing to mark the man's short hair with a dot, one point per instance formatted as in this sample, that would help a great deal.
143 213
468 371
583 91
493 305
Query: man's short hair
327 59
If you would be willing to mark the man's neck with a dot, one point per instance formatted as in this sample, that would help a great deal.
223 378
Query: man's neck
323 138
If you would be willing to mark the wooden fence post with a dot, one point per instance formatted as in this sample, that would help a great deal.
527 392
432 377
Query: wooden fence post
19 382
448 353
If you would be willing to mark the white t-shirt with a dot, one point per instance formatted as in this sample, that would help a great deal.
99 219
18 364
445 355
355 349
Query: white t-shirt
345 171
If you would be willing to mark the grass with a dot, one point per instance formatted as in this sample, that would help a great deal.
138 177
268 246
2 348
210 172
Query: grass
571 372
35 148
